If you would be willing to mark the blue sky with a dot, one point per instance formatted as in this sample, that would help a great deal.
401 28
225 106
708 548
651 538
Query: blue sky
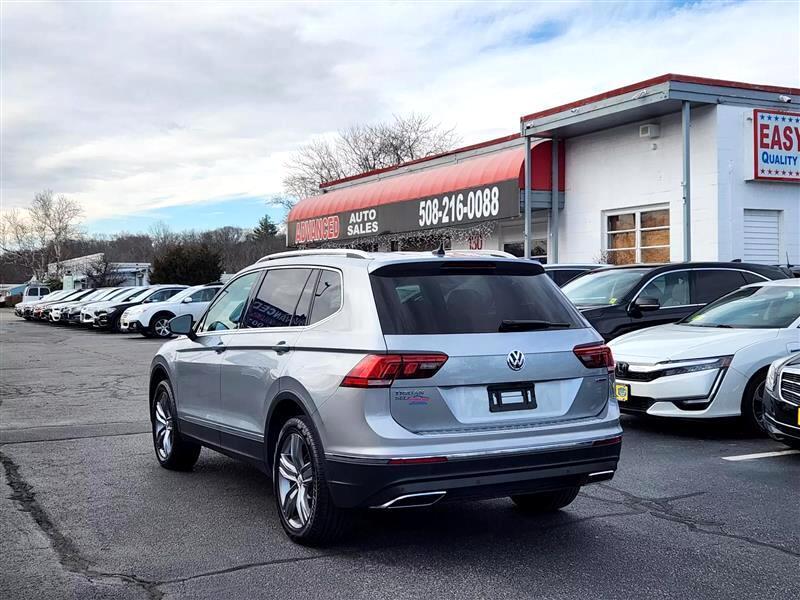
240 212
155 111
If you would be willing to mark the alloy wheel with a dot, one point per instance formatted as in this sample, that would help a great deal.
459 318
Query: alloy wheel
295 481
163 427
161 327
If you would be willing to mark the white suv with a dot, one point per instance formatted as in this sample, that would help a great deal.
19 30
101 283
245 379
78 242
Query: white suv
152 320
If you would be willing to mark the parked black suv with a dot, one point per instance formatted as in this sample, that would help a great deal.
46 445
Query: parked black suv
616 300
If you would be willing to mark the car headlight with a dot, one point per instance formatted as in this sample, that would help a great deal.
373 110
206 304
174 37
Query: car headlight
775 367
772 376
681 367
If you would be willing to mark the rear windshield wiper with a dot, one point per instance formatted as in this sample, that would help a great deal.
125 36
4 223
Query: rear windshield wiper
530 325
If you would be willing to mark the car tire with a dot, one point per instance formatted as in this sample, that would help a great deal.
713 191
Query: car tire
159 325
543 502
303 501
173 451
753 403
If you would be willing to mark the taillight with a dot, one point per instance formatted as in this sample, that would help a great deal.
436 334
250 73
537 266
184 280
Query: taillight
380 370
594 356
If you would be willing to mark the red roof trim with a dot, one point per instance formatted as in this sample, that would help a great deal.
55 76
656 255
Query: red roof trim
486 144
661 79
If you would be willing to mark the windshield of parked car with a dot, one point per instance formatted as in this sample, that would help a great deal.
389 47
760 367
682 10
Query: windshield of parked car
117 293
764 307
438 298
95 295
603 288
53 296
139 295
185 293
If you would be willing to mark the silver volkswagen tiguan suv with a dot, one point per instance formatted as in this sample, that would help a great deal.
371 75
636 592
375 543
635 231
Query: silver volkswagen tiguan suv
372 380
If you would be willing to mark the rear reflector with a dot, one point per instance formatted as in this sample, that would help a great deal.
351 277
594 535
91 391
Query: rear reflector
380 370
426 460
594 356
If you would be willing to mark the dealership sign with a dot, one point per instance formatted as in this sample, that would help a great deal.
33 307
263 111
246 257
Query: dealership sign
460 207
776 145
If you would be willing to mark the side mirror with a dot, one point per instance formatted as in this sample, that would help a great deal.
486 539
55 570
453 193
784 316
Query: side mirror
646 303
182 325
187 300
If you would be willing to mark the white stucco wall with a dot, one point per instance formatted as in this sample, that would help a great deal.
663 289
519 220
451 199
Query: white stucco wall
616 169
737 192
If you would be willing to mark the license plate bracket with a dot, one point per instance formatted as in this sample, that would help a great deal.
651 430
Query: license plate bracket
622 391
505 397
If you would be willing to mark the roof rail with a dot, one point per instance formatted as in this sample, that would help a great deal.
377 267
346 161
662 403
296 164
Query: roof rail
496 253
348 253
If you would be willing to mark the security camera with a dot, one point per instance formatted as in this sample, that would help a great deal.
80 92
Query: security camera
786 99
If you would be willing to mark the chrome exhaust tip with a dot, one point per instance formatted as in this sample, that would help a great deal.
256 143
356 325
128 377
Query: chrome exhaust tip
600 476
420 500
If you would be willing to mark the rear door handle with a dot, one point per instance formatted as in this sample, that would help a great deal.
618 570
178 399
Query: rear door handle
219 347
281 347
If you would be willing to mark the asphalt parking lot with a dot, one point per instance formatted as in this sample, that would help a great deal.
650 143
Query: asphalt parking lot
86 512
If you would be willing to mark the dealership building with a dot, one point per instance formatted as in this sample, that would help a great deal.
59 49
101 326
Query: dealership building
669 169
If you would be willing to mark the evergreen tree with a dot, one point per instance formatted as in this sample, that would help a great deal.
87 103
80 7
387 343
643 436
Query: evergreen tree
266 230
187 263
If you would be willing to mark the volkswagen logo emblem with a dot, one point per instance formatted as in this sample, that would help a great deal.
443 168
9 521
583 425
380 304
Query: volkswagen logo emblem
515 360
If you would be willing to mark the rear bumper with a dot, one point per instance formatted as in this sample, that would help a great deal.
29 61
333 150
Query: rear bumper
359 483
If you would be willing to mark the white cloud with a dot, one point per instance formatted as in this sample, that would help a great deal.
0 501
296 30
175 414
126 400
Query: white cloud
131 107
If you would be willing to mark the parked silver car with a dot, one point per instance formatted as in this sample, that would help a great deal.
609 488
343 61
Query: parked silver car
391 380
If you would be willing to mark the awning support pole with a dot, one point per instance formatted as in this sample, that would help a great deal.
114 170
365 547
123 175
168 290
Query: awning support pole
552 252
527 204
687 198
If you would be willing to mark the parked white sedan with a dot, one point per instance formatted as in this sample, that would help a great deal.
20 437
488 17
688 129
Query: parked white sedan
713 363
152 320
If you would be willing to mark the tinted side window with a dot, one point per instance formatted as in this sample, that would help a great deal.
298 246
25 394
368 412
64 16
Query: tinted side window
160 295
751 277
205 295
327 297
563 276
710 285
277 299
44 291
226 311
670 289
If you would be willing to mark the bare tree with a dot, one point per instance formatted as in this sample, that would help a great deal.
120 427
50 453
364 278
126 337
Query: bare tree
362 148
101 273
55 220
162 236
22 244
317 162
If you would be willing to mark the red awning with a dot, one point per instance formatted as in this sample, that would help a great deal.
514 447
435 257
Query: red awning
469 173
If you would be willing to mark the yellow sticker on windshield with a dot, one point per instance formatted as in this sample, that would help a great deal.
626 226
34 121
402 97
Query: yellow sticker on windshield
612 300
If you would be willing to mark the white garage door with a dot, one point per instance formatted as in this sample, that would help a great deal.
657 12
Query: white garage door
762 236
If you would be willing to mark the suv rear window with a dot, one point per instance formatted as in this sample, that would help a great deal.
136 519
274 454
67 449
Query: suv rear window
468 297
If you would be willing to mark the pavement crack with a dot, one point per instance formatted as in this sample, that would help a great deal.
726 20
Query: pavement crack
661 508
253 565
67 552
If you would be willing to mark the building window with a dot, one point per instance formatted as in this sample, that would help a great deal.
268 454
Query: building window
637 236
